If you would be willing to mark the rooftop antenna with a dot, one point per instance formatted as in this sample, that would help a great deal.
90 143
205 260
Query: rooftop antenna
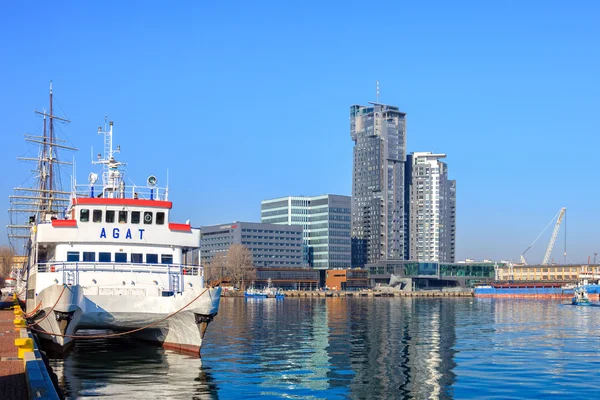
377 91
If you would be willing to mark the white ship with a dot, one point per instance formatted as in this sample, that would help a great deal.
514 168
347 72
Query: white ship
107 256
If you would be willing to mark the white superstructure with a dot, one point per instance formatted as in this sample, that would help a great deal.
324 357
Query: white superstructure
114 260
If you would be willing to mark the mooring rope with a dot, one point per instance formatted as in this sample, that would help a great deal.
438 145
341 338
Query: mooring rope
52 309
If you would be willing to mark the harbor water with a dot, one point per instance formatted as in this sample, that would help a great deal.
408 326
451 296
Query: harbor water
358 348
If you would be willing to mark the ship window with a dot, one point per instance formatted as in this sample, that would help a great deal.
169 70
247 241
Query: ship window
147 217
165 258
72 256
160 218
104 257
122 217
135 217
97 216
151 258
84 215
137 258
120 257
110 216
89 256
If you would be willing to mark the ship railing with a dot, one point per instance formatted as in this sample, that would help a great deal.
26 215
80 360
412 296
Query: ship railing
180 269
70 270
129 192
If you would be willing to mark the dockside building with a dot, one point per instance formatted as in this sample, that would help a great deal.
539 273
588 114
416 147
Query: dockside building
276 251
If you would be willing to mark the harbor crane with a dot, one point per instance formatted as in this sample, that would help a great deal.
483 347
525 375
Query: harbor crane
559 218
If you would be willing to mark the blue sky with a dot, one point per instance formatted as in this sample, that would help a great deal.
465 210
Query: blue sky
243 101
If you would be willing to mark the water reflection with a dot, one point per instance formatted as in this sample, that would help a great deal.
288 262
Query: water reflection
359 348
124 368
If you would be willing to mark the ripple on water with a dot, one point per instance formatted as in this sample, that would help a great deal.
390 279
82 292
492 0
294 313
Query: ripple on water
357 348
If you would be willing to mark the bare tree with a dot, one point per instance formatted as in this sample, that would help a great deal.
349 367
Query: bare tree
240 268
6 260
216 271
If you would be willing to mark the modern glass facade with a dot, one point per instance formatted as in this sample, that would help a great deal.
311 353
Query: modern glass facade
379 155
416 269
325 221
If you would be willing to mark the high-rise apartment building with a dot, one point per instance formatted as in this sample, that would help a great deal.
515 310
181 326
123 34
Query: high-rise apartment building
325 220
379 135
431 201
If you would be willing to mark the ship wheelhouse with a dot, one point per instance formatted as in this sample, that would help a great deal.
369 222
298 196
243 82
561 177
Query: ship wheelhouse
118 235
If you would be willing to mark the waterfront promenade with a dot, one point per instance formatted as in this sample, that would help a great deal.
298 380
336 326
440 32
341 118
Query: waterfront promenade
13 384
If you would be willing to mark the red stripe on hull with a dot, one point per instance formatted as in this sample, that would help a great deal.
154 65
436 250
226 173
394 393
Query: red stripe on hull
183 348
534 296
64 223
123 202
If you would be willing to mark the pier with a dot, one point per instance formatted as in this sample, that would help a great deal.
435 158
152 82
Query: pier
23 372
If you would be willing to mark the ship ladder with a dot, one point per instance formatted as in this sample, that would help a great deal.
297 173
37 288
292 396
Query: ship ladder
175 283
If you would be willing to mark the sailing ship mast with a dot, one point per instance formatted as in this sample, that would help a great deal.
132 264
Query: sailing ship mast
44 199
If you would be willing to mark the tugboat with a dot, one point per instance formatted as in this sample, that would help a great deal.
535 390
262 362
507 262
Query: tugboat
107 258
580 297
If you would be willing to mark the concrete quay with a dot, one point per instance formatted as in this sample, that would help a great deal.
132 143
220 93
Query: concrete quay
23 372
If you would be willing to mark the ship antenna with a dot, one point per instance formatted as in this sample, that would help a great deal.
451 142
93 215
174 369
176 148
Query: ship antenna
167 188
377 91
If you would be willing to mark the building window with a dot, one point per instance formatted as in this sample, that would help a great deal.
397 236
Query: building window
135 217
120 257
110 216
151 258
84 215
104 257
89 256
72 256
147 217
97 216
160 218
137 258
165 258
122 217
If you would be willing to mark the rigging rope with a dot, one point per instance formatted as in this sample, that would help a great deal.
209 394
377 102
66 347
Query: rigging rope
114 334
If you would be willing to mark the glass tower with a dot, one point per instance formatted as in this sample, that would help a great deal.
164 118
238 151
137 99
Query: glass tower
379 135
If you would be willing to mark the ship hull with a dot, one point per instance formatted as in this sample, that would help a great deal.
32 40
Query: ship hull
151 318
542 292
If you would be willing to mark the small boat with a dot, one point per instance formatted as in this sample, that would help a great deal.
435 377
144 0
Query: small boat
268 292
580 297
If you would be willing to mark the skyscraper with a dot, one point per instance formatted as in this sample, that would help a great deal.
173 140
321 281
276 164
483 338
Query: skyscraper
431 200
379 135
325 220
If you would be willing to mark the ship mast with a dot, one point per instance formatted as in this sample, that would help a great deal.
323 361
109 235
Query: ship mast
43 199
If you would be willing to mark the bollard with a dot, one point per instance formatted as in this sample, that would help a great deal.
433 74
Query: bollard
19 323
17 311
24 345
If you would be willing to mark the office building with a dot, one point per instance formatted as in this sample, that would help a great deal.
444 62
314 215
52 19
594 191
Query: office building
272 246
325 221
379 135
431 206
